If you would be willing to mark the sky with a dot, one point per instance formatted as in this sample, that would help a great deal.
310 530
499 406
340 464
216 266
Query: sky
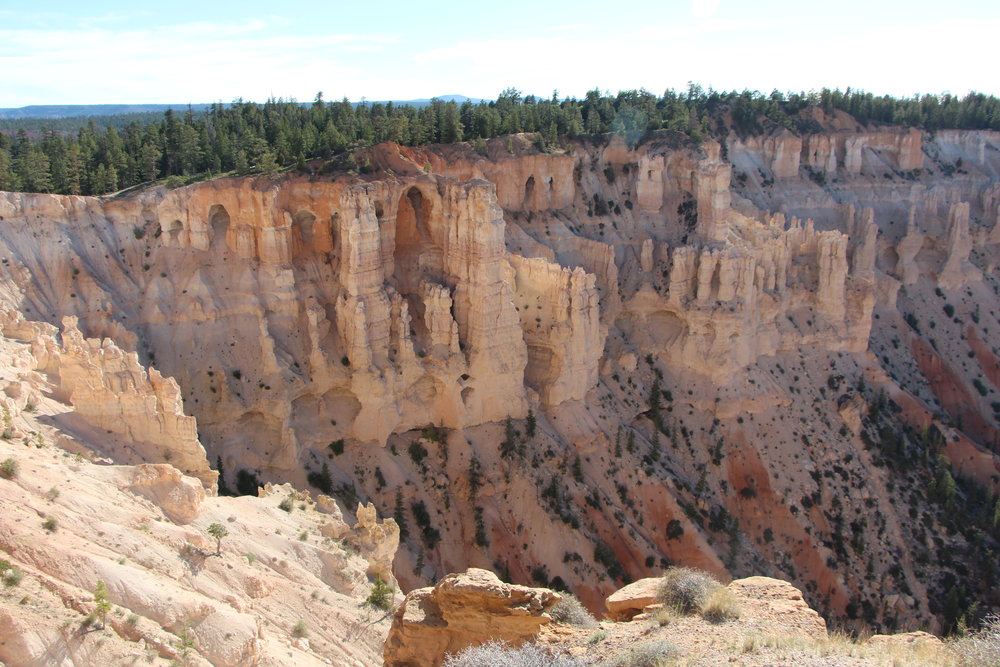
183 51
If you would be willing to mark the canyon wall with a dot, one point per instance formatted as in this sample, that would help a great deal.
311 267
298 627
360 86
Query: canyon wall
581 365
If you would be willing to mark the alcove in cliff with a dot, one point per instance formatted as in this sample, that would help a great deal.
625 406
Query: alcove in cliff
417 256
218 223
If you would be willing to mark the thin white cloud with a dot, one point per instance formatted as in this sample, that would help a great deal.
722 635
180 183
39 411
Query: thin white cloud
195 61
253 59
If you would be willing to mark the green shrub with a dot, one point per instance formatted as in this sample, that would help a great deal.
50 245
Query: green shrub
247 482
686 589
569 610
300 629
501 654
322 479
50 524
9 468
380 596
10 575
287 504
417 452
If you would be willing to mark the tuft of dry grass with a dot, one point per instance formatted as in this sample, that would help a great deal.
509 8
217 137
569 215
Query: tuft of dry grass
841 645
688 591
721 606
665 615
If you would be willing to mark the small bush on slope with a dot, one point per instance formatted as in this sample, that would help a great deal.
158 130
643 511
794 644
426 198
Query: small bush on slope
686 589
570 611
9 468
651 654
501 654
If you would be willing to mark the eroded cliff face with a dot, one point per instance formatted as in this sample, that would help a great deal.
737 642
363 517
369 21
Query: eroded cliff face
86 496
706 336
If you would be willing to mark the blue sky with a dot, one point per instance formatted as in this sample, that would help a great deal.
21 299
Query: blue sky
184 51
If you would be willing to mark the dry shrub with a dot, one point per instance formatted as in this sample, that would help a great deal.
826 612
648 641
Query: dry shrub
652 654
982 647
686 589
501 654
569 610
665 615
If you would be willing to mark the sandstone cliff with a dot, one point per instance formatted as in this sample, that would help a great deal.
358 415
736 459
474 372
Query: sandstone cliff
717 343
74 411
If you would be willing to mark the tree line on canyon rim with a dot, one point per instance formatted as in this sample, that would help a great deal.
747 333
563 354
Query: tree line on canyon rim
247 137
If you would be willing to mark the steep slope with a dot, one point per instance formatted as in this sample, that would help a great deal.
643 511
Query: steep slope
280 587
580 366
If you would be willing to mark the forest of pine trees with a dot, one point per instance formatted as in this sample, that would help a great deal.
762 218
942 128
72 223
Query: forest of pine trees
247 137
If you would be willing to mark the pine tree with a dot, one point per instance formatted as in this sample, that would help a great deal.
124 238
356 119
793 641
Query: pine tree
74 169
149 160
399 514
34 171
101 603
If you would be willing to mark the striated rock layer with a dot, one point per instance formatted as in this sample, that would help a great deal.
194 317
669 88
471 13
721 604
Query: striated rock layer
281 585
745 356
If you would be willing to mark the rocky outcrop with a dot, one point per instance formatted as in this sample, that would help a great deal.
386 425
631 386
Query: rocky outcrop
167 488
957 269
778 155
464 610
632 599
112 392
561 318
73 518
375 541
780 602
450 287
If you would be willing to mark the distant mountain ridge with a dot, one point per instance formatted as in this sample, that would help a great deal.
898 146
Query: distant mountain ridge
76 110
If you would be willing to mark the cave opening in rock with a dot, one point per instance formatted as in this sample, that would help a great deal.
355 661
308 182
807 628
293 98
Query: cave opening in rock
417 256
174 229
303 220
218 223
529 189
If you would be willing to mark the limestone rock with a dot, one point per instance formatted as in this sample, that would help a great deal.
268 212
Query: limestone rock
957 269
632 599
905 639
780 602
113 392
179 497
906 250
463 610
